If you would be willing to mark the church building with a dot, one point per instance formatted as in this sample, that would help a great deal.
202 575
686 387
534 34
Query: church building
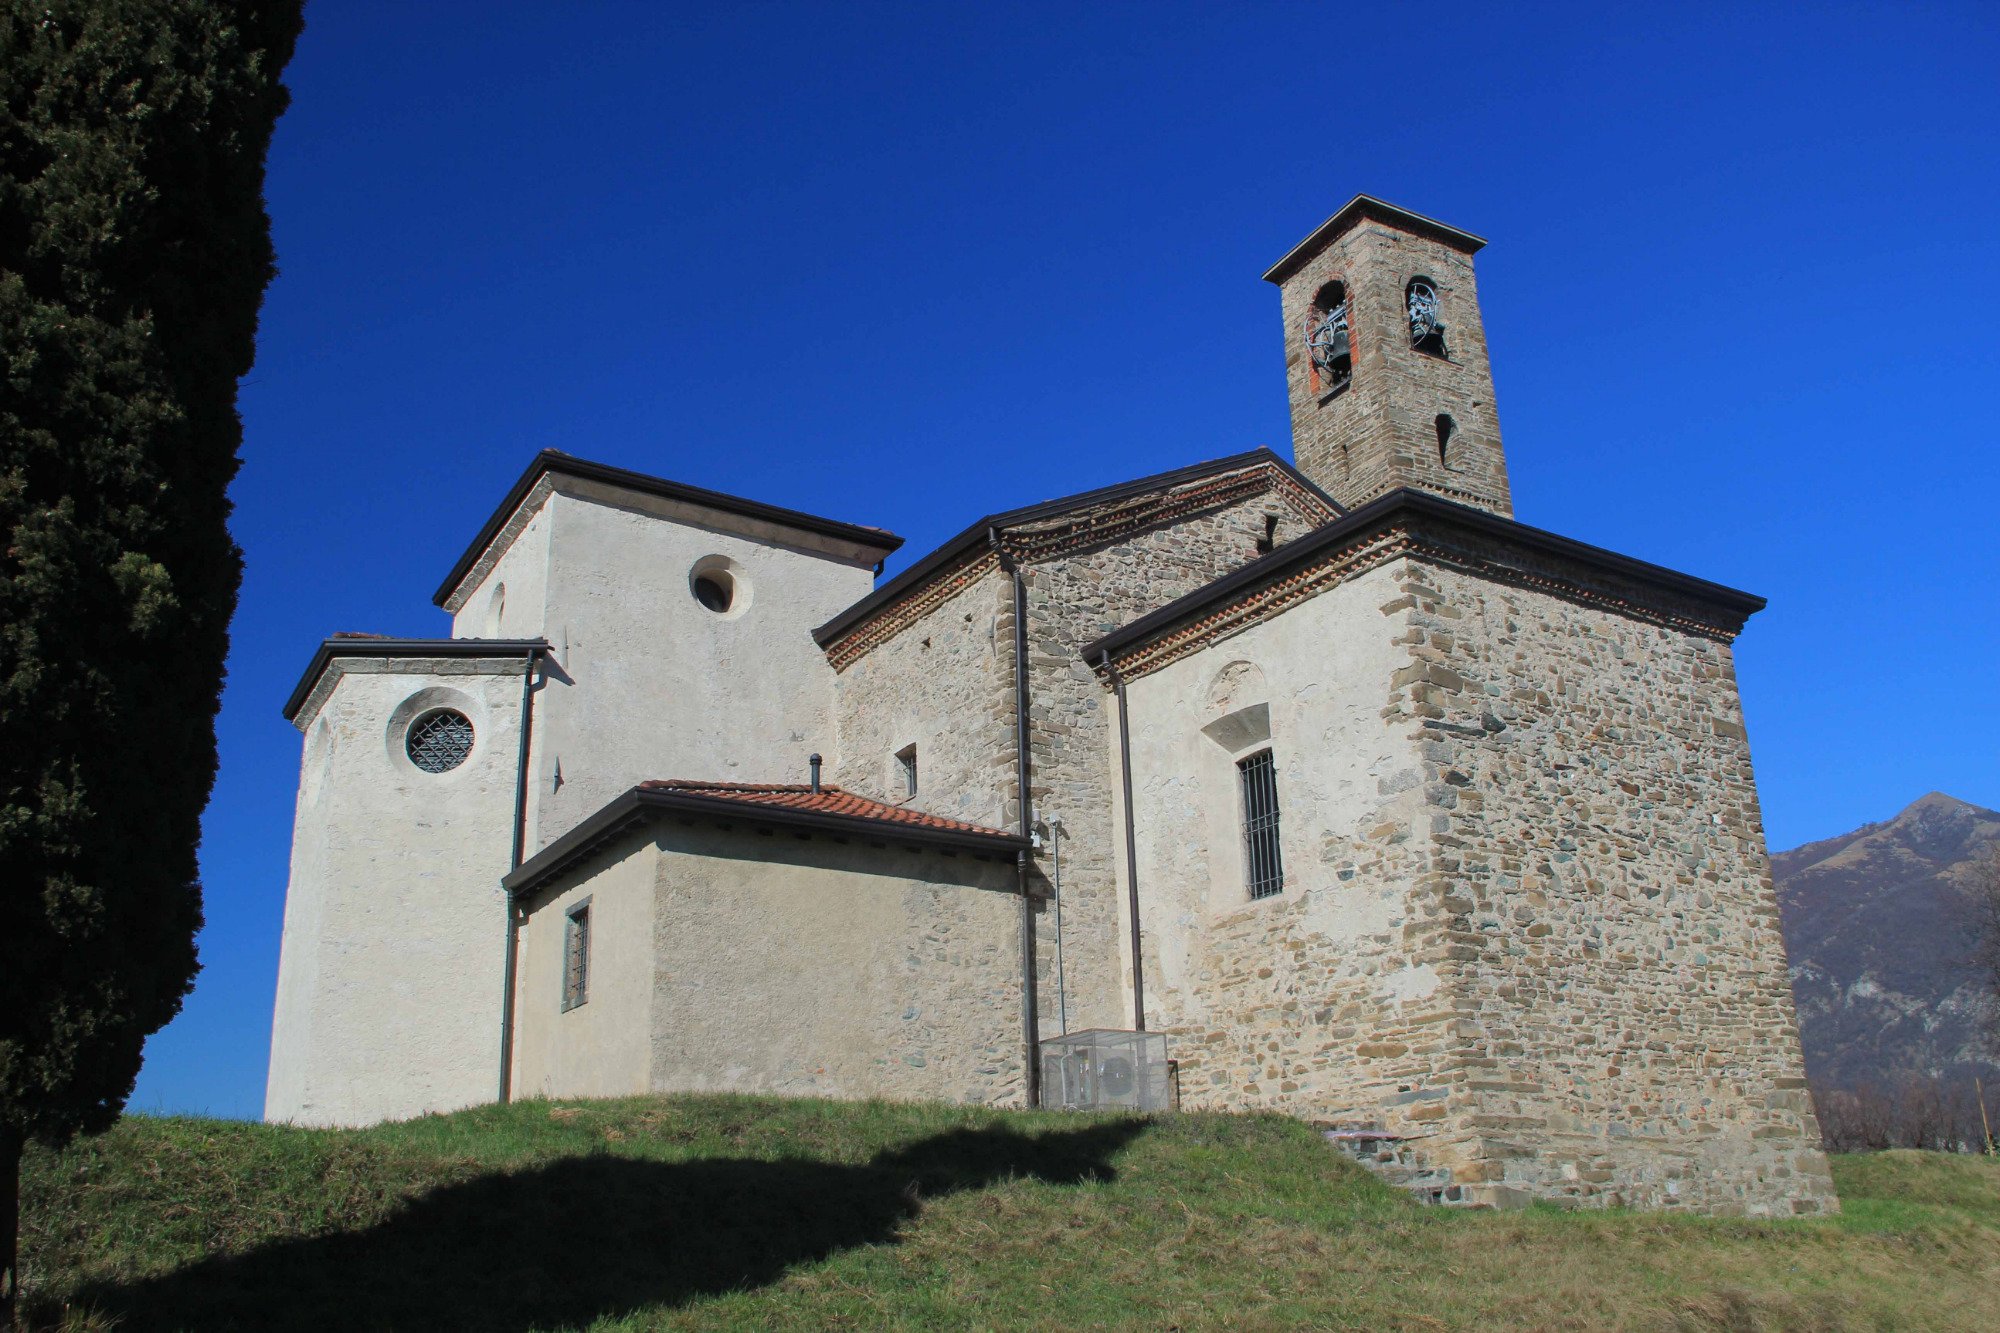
1321 786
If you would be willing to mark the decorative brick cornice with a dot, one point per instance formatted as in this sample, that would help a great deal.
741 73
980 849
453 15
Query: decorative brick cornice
899 615
1408 524
1103 524
1253 608
1079 529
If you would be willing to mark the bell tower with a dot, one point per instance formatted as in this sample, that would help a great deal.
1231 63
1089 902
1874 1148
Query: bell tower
1385 358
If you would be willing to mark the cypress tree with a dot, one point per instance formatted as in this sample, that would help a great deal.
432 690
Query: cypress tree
134 253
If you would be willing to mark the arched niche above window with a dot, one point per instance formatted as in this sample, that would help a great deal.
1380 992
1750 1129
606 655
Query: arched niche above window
1241 730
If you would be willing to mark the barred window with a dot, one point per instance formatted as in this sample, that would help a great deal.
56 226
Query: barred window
440 741
576 956
1264 866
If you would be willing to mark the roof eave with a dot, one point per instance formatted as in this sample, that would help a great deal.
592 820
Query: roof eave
1380 513
1368 206
331 648
554 460
643 803
980 532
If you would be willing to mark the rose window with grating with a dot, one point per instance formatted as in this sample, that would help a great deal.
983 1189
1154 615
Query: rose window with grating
440 741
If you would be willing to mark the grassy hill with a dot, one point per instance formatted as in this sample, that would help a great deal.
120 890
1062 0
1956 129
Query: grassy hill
753 1213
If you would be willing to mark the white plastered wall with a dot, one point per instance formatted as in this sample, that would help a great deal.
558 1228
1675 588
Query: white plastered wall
1260 978
770 963
389 974
652 683
602 1047
510 600
817 968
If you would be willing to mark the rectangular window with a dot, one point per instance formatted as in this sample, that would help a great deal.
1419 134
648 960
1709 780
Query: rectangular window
576 956
906 768
1265 868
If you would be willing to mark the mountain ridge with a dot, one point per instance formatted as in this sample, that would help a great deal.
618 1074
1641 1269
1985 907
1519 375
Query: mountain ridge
1881 937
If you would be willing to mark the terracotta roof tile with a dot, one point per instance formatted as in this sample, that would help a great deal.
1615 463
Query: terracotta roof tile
828 800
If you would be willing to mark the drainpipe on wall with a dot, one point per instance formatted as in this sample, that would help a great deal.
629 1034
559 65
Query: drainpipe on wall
519 855
1030 1019
1131 847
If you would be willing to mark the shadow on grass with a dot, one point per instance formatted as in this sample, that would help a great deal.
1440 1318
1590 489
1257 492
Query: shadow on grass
581 1238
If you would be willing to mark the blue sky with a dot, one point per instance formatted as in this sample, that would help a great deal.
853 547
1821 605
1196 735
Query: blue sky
906 265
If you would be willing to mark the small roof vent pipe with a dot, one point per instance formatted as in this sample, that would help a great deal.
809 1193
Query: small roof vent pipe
814 761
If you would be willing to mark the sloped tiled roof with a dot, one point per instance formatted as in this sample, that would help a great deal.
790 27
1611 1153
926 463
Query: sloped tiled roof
828 812
828 800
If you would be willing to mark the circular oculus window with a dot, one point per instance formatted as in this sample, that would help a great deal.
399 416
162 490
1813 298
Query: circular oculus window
721 586
440 740
715 590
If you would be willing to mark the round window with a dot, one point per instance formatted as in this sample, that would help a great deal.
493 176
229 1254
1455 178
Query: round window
439 741
715 590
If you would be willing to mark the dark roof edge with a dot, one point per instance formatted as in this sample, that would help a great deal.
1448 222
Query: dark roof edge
977 534
1368 206
554 460
640 803
367 647
1377 512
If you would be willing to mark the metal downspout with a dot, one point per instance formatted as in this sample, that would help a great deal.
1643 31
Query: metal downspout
1131 847
1030 1004
519 854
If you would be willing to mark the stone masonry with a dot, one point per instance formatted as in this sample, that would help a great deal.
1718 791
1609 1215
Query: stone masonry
1528 913
1381 431
943 680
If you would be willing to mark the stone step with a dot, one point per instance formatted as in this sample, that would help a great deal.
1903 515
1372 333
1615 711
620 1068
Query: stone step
1396 1160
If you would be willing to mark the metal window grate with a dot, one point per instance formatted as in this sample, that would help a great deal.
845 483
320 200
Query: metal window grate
440 741
1260 825
576 957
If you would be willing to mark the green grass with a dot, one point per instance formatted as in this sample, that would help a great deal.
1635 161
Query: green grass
754 1213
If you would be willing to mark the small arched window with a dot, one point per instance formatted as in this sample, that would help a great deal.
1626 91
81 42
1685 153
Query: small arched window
1446 428
1329 344
1420 300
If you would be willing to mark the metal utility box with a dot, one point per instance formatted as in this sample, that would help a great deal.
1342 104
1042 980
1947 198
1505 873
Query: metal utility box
1106 1069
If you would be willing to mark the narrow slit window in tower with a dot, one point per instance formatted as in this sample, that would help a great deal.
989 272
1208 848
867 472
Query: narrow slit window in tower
906 769
1446 428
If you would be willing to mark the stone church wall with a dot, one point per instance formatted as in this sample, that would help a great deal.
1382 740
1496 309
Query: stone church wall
1626 1022
1527 910
603 1047
944 684
812 967
389 988
1072 600
1325 1001
658 686
734 959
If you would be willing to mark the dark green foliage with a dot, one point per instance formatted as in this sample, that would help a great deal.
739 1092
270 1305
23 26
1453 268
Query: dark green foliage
134 253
